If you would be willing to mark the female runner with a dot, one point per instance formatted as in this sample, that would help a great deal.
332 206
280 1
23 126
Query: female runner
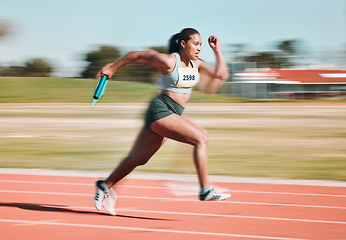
180 70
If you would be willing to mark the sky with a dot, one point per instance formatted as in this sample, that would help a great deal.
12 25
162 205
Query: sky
63 31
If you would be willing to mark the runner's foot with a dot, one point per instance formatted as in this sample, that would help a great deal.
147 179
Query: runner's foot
105 197
209 194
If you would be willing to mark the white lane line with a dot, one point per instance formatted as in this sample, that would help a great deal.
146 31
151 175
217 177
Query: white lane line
211 215
35 223
156 187
75 184
208 214
290 193
237 216
145 229
173 177
289 205
177 199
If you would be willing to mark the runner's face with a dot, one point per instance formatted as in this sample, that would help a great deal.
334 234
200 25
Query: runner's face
193 46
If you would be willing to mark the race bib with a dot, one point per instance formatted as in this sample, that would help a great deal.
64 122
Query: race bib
187 77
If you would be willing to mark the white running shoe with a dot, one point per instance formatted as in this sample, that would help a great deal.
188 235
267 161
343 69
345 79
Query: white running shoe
209 194
105 197
110 201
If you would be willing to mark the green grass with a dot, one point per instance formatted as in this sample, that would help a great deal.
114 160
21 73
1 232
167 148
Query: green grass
64 90
78 90
75 90
297 142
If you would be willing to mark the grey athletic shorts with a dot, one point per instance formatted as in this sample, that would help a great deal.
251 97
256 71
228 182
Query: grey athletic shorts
160 107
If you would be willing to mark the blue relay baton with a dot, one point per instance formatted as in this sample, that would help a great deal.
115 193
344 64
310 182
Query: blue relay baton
100 89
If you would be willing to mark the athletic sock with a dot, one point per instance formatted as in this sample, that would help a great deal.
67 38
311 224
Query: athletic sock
206 189
104 185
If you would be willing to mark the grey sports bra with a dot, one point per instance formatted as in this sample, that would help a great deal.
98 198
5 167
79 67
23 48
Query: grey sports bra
180 80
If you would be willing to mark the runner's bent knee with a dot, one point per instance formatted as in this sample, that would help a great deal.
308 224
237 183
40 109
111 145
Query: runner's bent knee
199 137
203 137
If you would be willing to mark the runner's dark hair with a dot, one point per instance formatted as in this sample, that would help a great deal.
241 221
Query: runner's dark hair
175 40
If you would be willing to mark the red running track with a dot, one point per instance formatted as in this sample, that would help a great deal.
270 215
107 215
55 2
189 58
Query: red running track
61 207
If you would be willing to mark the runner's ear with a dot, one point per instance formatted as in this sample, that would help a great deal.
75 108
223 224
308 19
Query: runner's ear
182 43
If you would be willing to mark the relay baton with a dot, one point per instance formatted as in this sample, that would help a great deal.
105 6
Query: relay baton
100 89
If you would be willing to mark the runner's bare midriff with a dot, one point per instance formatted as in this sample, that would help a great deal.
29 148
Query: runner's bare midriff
181 98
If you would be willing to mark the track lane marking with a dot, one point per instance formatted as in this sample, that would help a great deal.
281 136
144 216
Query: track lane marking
179 199
155 187
202 214
35 223
145 229
207 215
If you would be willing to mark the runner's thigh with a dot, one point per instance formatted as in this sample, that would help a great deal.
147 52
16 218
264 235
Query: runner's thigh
180 129
146 144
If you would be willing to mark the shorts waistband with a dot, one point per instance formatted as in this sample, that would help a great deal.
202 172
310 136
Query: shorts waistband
165 97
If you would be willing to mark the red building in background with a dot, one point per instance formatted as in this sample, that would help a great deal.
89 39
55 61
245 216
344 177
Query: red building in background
288 83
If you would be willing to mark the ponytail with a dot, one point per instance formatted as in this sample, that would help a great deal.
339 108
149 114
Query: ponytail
174 42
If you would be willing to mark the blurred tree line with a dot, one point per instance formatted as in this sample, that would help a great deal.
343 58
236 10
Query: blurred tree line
107 54
33 68
282 57
36 67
